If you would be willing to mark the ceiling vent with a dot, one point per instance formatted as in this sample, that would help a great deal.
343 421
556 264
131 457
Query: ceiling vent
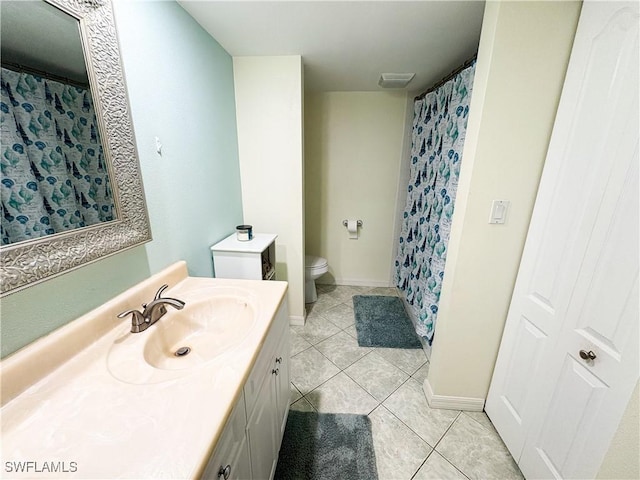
395 80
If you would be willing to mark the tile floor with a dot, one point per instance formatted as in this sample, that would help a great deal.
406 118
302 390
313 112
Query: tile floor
330 373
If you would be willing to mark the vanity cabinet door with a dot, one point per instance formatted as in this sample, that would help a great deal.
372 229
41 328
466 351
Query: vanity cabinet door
267 398
265 365
262 431
230 460
283 391
232 463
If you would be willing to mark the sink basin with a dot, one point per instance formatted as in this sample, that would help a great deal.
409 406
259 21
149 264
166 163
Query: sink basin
206 328
213 322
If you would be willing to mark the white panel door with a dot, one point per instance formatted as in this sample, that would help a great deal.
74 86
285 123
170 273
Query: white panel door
577 287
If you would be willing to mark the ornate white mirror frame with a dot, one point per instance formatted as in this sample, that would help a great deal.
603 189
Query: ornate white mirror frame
26 263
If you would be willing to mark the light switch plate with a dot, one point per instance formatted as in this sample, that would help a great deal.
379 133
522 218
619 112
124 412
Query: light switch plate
499 210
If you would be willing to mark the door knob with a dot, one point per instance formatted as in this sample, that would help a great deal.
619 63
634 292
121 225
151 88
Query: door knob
587 355
224 472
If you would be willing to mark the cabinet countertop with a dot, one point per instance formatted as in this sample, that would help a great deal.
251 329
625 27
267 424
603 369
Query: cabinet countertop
257 244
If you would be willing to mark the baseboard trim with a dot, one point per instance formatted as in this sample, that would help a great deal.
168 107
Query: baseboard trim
446 402
296 320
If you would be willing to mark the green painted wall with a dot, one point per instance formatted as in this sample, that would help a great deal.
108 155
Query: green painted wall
180 84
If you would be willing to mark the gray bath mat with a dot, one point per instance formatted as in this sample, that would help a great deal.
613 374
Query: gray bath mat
382 322
324 446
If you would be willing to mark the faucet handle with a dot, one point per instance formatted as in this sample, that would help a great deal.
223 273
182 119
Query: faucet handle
158 294
160 290
136 319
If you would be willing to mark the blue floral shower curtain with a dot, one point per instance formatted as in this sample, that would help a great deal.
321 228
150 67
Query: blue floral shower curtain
439 127
54 176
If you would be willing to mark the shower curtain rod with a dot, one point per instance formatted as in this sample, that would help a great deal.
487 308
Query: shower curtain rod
16 67
447 78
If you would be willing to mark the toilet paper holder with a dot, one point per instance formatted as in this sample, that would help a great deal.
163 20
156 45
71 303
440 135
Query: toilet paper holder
344 223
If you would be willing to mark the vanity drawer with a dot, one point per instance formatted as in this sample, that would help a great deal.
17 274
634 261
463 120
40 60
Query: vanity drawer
266 360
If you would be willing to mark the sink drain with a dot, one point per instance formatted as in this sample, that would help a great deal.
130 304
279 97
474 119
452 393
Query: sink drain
182 351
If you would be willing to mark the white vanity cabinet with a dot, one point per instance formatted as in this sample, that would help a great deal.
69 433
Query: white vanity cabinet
223 416
251 440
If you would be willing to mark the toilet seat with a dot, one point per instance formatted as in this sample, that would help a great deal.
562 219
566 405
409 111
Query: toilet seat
311 262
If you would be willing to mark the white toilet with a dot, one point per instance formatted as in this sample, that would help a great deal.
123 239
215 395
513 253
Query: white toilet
314 267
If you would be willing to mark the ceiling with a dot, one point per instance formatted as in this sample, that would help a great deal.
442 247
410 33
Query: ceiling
346 45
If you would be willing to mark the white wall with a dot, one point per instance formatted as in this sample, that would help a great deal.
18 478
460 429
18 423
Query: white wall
623 460
522 60
353 147
269 110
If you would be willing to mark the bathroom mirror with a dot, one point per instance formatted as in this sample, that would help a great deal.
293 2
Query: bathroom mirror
80 76
54 174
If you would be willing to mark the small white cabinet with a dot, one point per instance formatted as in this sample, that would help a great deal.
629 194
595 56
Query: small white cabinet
250 442
254 259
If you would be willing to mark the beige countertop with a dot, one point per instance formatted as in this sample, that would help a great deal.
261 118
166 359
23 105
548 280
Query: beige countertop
64 410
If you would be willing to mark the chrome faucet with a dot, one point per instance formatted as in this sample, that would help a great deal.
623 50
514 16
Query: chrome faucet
152 311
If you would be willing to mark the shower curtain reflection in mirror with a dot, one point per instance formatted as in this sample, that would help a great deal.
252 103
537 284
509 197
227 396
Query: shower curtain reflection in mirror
54 174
